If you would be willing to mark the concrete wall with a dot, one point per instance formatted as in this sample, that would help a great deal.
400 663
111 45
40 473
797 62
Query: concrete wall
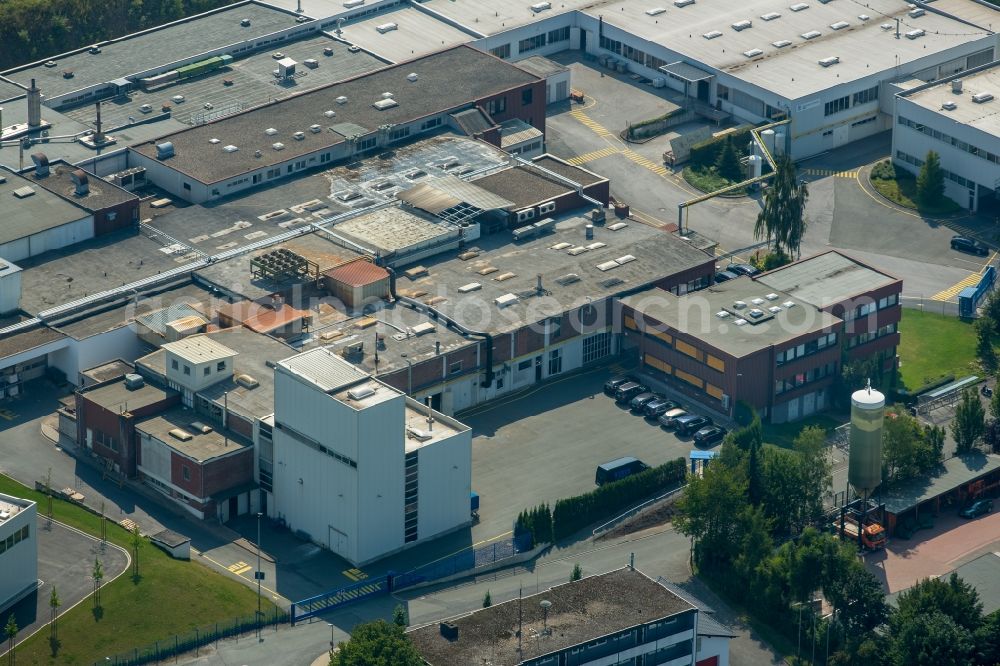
445 482
51 239
19 561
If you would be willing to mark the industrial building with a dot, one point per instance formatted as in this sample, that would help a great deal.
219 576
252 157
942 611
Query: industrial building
18 549
958 120
360 468
614 618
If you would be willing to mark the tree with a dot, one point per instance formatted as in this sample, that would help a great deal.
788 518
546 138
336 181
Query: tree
577 573
709 512
399 617
931 640
728 165
97 574
860 601
908 448
970 421
815 472
988 639
11 631
953 597
136 540
377 643
487 600
991 308
54 604
984 344
781 220
934 436
755 543
930 180
995 402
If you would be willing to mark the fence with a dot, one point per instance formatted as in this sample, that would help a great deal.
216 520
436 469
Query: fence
968 298
182 643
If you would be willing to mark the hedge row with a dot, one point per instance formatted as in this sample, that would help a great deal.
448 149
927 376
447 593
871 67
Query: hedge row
706 153
537 521
574 513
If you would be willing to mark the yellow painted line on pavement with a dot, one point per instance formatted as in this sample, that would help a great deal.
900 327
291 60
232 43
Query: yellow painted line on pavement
969 281
593 155
273 593
831 172
590 123
355 574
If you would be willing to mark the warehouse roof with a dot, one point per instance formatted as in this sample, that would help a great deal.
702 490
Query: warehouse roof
984 117
199 349
357 273
326 370
26 340
10 90
698 314
29 209
143 51
948 475
195 443
825 279
416 32
394 229
116 397
541 66
100 193
525 186
446 80
579 611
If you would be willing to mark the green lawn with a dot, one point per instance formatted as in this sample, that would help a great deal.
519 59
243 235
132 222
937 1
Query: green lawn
706 179
784 434
932 346
171 597
903 190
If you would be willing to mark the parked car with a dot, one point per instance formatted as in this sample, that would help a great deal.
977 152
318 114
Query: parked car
627 391
742 269
709 435
725 276
661 405
146 108
977 508
669 418
639 402
691 423
971 245
612 384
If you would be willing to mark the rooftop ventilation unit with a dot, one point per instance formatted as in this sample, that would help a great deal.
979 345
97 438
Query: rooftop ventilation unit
771 297
913 34
315 129
949 105
270 131
721 314
386 27
753 53
230 148
774 309
164 150
341 100
770 16
781 43
387 95
839 25
812 34
799 6
505 300
423 329
541 6
864 17
712 35
683 3
278 145
755 313
330 113
412 77
245 23
916 12
655 11
472 286
886 26
742 25
739 305
298 136
981 98
418 434
384 104
213 141
740 322
832 60
608 265
788 304
361 393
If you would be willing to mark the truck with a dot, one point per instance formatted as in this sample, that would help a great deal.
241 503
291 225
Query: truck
474 505
872 533
618 469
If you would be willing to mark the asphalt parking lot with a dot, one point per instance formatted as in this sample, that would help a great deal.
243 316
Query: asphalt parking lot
547 444
65 561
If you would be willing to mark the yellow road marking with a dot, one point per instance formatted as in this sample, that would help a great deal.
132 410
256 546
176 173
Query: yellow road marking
969 281
239 568
830 172
590 123
355 574
7 414
593 155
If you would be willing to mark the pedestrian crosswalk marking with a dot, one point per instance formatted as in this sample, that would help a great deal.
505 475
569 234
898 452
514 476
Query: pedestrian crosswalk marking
658 169
594 155
831 172
591 124
951 292
239 568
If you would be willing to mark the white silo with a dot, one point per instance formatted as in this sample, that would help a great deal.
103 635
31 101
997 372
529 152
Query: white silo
865 463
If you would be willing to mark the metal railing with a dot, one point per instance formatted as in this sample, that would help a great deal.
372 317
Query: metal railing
617 520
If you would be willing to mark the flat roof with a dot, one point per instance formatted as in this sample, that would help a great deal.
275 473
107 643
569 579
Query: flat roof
39 211
983 573
948 475
415 419
10 90
580 611
26 340
252 83
983 117
541 66
393 229
417 32
116 397
100 193
825 279
203 446
153 48
369 392
12 506
447 80
793 71
696 314
199 349
324 369
515 131
523 185
110 370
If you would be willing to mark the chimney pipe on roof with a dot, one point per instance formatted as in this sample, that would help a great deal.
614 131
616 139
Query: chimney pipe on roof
437 347
34 105
99 137
538 286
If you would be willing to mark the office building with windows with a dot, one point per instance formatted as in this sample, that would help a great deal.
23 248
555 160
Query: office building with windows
18 549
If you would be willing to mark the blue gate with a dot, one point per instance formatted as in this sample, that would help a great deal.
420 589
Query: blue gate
968 298
321 603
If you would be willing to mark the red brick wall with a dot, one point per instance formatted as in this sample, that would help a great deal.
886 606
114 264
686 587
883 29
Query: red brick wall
224 473
126 216
194 483
532 113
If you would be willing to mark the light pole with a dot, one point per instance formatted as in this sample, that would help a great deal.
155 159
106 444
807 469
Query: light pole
258 575
409 373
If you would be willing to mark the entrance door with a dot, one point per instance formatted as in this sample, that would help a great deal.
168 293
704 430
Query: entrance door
338 541
436 402
583 40
538 368
703 90
234 507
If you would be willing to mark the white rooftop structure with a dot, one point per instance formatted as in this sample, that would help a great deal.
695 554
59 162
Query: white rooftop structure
199 349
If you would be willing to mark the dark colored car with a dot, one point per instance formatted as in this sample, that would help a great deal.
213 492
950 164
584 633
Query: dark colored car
639 402
627 391
725 276
971 245
669 418
659 406
612 384
709 435
977 508
742 269
691 423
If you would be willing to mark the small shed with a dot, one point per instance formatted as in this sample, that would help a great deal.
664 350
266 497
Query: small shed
357 281
176 545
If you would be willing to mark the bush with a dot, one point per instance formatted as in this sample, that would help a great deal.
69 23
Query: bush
706 153
884 170
537 521
574 513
